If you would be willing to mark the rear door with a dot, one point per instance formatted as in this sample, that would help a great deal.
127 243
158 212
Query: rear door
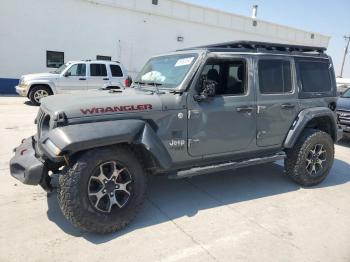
277 99
98 76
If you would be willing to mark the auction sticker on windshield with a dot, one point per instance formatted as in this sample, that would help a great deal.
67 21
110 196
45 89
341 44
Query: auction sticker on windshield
184 61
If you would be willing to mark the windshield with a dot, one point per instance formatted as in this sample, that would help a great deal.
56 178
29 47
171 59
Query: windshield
166 71
346 94
61 68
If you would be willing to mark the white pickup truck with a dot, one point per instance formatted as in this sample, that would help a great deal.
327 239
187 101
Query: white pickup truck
74 76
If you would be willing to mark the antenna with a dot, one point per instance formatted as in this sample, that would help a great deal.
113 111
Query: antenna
347 38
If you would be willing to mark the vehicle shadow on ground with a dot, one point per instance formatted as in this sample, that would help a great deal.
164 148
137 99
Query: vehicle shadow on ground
28 103
344 142
171 199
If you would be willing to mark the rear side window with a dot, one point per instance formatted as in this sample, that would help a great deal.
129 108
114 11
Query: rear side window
116 71
98 70
275 76
314 76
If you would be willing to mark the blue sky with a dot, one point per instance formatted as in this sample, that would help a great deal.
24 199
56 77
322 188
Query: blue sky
331 18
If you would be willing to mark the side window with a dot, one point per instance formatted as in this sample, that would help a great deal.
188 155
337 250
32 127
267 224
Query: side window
275 76
230 76
236 79
116 71
77 70
98 70
314 76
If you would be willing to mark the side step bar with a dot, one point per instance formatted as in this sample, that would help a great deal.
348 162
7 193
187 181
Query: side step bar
225 166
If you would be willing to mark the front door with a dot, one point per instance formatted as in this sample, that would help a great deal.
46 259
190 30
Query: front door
74 79
225 123
277 100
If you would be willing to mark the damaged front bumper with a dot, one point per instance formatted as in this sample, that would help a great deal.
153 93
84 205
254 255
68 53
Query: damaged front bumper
28 167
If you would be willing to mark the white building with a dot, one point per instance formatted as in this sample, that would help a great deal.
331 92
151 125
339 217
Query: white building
38 34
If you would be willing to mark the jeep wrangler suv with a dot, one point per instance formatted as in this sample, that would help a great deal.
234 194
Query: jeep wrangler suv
191 112
71 77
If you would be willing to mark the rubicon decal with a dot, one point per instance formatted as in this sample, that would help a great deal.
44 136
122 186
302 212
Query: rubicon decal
104 110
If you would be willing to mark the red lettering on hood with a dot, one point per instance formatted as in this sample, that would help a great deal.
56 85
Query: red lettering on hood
105 110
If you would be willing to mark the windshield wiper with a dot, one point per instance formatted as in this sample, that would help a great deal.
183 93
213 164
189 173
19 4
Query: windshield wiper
154 84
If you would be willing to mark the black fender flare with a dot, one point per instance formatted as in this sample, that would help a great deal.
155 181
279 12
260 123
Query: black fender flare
304 117
80 137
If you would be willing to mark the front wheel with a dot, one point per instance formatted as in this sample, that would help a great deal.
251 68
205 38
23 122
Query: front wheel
308 163
37 93
103 191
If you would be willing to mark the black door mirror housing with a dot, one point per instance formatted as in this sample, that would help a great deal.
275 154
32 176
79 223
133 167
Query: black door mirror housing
67 74
208 90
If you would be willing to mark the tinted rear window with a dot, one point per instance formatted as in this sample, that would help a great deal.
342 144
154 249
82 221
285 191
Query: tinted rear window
315 76
116 71
98 70
275 76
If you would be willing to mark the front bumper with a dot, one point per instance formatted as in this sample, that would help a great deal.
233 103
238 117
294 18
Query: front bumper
22 90
25 165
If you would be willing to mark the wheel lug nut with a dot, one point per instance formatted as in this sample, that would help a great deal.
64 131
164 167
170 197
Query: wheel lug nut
104 191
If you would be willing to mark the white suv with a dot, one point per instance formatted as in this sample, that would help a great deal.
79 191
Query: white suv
72 77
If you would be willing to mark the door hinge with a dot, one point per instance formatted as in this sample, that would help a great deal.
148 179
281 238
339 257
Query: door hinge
260 134
260 109
192 141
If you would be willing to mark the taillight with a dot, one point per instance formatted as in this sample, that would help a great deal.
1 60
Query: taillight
128 81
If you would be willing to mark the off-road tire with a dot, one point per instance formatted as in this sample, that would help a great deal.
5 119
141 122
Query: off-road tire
35 89
295 163
73 197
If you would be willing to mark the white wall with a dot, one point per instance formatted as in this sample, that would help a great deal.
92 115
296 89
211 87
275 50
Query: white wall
127 30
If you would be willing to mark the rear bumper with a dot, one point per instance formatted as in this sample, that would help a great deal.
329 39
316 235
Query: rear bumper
25 166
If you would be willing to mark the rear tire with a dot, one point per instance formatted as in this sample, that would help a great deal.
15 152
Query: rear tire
94 205
308 163
37 93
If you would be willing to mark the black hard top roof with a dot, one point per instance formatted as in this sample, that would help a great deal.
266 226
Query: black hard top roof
263 47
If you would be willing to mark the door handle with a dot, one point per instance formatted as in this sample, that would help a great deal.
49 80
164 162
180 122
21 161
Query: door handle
245 109
287 106
106 78
82 78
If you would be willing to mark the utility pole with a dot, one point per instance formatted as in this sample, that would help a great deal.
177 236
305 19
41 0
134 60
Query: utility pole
347 38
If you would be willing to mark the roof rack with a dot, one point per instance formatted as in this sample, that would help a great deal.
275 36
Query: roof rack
262 47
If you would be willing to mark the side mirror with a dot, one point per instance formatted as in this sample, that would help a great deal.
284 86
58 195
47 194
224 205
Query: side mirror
67 74
207 90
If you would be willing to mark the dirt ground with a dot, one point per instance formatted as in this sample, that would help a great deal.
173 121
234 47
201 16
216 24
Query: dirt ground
251 214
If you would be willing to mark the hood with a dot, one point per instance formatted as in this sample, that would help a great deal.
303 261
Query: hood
39 76
343 103
94 103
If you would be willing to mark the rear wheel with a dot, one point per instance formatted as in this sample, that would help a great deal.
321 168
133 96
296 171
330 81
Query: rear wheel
308 163
103 191
37 93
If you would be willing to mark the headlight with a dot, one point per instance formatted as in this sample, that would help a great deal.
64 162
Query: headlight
23 83
52 147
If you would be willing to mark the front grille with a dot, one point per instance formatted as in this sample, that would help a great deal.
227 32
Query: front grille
39 120
344 116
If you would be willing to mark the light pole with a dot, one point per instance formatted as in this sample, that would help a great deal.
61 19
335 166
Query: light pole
347 38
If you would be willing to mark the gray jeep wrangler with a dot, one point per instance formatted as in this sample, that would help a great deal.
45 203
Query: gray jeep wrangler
190 112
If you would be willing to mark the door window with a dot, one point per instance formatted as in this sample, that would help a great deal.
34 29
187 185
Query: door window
275 76
98 70
116 71
229 75
77 70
